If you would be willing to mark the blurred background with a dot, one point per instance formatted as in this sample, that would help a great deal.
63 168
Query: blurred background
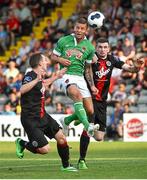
28 26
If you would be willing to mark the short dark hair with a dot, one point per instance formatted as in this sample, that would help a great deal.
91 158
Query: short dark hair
82 20
102 40
35 60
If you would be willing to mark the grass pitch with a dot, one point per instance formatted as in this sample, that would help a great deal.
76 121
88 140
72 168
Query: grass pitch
106 160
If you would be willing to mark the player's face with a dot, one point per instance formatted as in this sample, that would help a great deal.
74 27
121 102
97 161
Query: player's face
102 49
80 30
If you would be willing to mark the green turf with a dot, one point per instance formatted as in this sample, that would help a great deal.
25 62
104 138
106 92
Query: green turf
106 160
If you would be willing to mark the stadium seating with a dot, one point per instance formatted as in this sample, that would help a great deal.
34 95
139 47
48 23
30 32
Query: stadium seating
67 8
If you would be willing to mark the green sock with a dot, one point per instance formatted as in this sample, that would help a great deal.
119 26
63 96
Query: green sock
70 118
81 114
77 122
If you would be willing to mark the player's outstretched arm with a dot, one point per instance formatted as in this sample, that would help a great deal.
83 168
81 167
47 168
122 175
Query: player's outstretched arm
55 76
29 85
135 67
60 60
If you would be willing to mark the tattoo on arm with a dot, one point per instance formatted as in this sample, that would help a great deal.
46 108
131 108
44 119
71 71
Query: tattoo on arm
89 74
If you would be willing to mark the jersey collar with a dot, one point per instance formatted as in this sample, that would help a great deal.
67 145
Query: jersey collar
75 38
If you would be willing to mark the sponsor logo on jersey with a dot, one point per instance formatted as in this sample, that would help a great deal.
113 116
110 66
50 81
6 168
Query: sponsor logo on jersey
83 49
74 52
27 79
102 72
108 63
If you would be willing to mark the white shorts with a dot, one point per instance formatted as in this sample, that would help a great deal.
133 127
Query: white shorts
79 81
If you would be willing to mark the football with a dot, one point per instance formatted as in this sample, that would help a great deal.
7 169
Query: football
96 19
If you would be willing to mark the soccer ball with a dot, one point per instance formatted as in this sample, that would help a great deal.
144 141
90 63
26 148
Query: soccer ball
96 19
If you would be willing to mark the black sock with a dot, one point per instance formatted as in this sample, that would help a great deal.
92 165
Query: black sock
23 143
91 118
84 142
28 146
63 151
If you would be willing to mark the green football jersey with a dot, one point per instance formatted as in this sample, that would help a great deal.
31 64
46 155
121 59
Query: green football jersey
78 54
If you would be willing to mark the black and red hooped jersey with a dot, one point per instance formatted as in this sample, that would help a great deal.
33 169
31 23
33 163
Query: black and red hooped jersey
102 71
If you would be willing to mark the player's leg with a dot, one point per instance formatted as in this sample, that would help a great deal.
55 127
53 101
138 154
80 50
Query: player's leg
54 131
63 151
85 139
77 97
65 121
37 143
84 143
70 118
88 105
63 84
70 85
100 118
75 94
76 88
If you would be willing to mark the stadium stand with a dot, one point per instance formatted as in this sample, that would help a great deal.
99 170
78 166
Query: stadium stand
123 19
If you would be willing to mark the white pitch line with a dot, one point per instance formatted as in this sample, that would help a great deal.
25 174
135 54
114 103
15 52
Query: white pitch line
27 166
90 161
87 159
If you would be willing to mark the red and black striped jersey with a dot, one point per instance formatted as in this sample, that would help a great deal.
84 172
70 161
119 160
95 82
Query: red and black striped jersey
102 71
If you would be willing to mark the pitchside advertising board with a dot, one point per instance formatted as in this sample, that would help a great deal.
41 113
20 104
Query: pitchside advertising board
11 128
135 128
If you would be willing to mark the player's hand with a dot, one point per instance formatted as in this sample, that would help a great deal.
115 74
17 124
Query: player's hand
60 73
56 75
94 90
39 76
139 63
65 62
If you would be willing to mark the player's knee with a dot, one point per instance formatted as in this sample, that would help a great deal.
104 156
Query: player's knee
62 140
43 150
77 97
99 137
90 111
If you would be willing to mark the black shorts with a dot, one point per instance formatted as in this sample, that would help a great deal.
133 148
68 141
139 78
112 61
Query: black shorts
100 114
37 129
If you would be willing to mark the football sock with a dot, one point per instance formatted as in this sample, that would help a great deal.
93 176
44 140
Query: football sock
70 118
23 143
28 146
81 114
91 118
84 142
63 151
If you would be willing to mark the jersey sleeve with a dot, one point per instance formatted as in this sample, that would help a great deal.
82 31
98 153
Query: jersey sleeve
27 78
59 47
90 56
117 62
